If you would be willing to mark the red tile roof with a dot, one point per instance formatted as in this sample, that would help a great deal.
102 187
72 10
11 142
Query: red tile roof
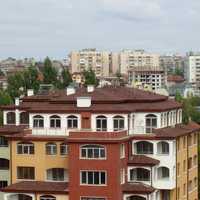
119 99
38 187
12 129
141 160
177 131
137 188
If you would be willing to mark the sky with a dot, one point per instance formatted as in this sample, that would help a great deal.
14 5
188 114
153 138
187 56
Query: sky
39 28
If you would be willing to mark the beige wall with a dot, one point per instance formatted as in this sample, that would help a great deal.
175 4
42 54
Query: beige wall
39 160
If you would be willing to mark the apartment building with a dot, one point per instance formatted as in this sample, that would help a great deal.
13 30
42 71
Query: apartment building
154 77
139 58
100 144
90 58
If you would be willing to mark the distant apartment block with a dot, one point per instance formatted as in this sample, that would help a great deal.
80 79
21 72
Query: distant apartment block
138 58
153 77
90 58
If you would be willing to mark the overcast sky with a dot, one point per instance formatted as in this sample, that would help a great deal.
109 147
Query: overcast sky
55 27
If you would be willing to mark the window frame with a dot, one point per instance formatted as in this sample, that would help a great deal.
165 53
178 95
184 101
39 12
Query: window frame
66 151
149 128
101 119
52 151
38 121
73 120
92 148
25 145
27 172
3 141
87 178
55 121
55 176
118 119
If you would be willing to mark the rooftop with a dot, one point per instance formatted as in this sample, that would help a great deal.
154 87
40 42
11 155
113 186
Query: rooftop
38 187
141 160
137 188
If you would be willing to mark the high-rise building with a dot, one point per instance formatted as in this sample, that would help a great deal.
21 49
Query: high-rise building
112 143
90 58
138 58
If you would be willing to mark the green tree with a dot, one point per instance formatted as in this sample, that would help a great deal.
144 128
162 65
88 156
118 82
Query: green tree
178 71
50 74
1 73
90 78
66 78
30 77
15 85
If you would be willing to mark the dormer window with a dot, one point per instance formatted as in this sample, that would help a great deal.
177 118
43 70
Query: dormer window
101 123
38 121
55 121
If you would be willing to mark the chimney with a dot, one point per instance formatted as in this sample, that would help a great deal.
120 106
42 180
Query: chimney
90 88
30 92
70 90
17 101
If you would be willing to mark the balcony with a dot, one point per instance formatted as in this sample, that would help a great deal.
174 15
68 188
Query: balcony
51 131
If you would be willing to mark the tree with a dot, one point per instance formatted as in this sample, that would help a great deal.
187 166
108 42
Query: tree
178 71
66 78
30 77
90 78
49 73
1 73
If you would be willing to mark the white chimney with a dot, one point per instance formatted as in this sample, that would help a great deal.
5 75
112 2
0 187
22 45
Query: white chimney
90 88
30 92
17 101
83 102
70 90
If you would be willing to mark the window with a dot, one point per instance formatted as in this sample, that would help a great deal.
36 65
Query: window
10 118
24 118
93 178
163 148
3 184
122 176
184 189
25 148
195 138
47 197
139 174
195 182
144 147
26 173
189 163
190 186
55 121
51 149
63 149
4 164
118 123
3 141
101 123
135 197
122 150
178 169
93 152
190 140
184 141
72 122
163 172
184 165
195 160
57 174
151 123
38 121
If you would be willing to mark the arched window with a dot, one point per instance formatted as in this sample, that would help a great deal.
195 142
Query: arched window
24 118
144 147
55 121
93 152
135 197
72 122
101 123
51 149
151 123
163 172
118 123
47 197
38 121
4 164
25 148
3 141
10 118
139 174
163 147
63 149
57 174
19 197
